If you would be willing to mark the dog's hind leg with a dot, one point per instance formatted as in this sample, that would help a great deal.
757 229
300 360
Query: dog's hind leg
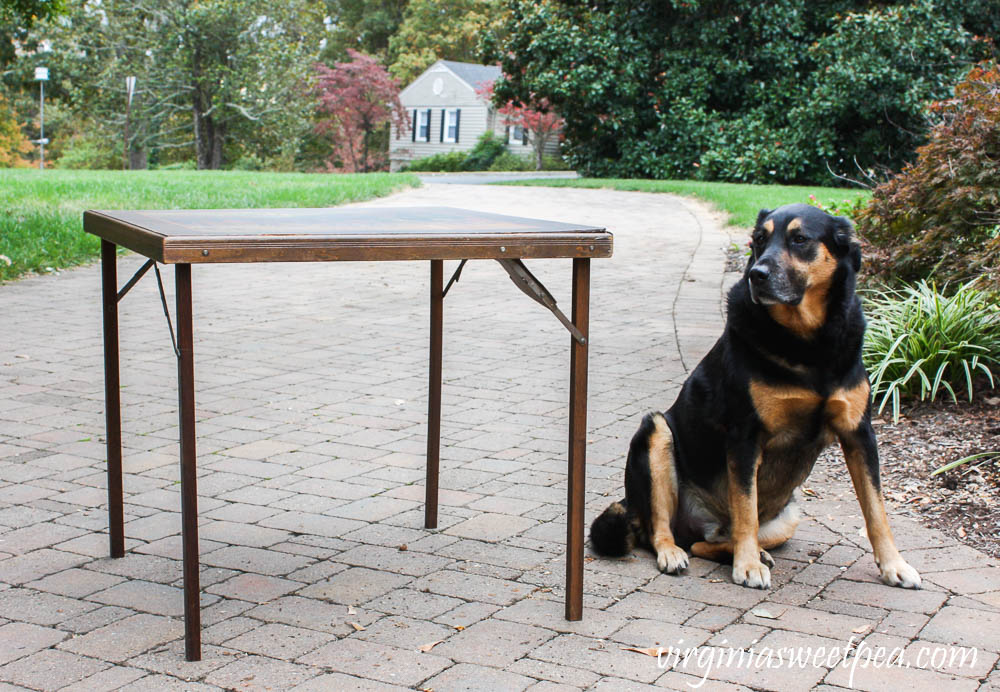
670 558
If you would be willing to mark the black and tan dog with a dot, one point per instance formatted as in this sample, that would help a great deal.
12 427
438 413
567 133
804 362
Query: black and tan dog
717 472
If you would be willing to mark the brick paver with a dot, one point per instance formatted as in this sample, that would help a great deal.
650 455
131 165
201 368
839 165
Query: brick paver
316 570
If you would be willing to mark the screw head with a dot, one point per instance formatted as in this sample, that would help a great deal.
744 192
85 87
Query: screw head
503 249
204 253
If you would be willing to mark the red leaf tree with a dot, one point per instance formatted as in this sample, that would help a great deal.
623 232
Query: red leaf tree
360 99
539 121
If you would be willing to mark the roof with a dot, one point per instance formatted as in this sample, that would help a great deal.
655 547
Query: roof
471 73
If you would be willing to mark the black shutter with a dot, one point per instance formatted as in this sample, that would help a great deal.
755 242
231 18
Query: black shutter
442 124
506 134
428 124
524 136
414 123
458 120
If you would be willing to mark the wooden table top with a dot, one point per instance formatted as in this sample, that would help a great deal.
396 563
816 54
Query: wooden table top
341 234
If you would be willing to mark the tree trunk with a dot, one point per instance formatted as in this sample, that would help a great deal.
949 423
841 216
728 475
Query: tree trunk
138 158
209 137
364 152
539 151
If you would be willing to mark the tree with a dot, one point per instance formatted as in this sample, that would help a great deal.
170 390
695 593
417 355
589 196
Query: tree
13 144
738 89
440 29
364 25
224 77
17 17
360 99
541 123
939 218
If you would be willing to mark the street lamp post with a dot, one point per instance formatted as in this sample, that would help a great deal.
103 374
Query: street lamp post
129 91
41 76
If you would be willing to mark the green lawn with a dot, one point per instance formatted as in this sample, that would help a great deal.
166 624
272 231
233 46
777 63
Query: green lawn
41 212
741 201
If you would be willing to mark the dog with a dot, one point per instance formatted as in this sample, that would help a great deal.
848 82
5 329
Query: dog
717 473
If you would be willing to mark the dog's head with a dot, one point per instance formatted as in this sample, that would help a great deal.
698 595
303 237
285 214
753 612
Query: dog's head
796 250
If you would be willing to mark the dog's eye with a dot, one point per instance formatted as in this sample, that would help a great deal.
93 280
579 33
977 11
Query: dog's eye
799 239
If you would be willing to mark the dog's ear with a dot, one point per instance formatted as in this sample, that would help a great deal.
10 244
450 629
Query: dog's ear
843 238
761 215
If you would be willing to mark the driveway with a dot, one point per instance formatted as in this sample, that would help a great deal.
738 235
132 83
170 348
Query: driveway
316 572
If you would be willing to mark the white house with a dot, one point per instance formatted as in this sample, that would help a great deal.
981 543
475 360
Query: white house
447 114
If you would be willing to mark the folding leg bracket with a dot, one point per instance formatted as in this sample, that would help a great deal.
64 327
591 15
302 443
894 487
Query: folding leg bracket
534 289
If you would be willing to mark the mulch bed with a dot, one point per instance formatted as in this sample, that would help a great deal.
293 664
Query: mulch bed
964 503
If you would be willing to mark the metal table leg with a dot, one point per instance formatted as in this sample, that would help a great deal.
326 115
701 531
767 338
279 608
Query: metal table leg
577 440
434 397
112 397
189 480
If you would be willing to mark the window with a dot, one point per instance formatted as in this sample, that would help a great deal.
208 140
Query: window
517 135
449 124
422 127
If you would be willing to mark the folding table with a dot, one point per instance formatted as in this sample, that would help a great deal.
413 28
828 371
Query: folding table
435 234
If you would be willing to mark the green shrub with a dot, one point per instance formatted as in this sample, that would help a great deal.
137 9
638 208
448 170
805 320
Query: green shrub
851 207
488 148
920 342
738 90
450 162
511 162
248 162
940 217
91 151
554 162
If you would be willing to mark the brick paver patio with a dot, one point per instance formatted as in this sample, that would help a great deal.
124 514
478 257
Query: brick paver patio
316 572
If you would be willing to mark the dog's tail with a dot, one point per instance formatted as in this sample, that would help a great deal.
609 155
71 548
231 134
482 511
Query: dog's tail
613 533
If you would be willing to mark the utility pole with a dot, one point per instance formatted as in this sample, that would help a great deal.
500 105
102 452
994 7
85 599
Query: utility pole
41 76
129 91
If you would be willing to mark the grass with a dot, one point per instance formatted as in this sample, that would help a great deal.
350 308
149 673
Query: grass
741 201
922 343
41 212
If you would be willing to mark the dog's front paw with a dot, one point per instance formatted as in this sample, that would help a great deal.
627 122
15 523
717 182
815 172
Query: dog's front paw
752 573
672 560
899 573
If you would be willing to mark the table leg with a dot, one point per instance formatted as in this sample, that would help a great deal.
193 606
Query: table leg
577 440
112 397
434 397
189 479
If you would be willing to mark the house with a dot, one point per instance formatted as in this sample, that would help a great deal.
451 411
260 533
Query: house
447 114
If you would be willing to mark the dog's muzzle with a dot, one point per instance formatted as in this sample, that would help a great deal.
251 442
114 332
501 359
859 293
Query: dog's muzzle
770 287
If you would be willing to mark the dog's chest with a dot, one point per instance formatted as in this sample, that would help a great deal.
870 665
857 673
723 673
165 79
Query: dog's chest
796 415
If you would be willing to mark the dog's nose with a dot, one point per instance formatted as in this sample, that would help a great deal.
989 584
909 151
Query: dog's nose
759 273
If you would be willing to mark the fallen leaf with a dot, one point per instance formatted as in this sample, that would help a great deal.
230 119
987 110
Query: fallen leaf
766 614
810 492
427 647
459 627
961 532
862 629
356 626
351 610
654 652
992 401
403 547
